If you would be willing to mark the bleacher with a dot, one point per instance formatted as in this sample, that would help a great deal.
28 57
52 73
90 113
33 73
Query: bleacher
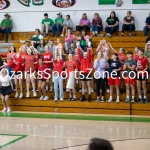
34 104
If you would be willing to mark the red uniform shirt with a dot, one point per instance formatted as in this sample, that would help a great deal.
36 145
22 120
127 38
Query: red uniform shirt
76 59
22 54
29 63
122 57
141 64
58 66
43 71
85 62
37 57
48 57
16 63
70 66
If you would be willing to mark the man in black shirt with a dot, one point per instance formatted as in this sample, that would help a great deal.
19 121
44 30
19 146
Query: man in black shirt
147 27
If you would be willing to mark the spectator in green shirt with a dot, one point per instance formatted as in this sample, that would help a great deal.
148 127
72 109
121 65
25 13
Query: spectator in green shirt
58 25
6 26
46 24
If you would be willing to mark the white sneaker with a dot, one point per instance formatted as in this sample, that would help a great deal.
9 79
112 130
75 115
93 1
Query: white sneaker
55 99
16 95
41 98
37 90
92 90
4 110
45 98
80 90
108 91
117 101
28 95
62 35
67 90
110 100
34 94
21 95
8 109
61 99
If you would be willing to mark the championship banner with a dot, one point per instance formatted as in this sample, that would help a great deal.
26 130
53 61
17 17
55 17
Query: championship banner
107 2
63 3
140 1
34 2
4 4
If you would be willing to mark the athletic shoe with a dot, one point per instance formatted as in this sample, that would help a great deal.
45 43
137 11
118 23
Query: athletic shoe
8 109
69 99
89 99
98 100
92 90
108 91
34 94
45 98
16 95
132 101
122 34
102 101
67 90
110 100
21 95
144 101
82 99
28 95
80 90
41 98
117 101
62 35
109 35
61 99
55 99
73 99
130 34
4 110
127 101
140 101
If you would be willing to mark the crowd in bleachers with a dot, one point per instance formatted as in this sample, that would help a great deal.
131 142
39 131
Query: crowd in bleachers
48 65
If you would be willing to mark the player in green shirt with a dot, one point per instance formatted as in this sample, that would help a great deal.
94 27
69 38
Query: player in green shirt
58 25
6 26
46 24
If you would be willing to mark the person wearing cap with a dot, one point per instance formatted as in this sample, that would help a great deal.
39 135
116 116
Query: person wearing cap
58 25
68 24
6 26
128 76
114 76
142 75
147 27
46 24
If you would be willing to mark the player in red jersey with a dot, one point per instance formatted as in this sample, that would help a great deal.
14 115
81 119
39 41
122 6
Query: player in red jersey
85 69
48 61
71 66
142 75
42 70
16 64
30 69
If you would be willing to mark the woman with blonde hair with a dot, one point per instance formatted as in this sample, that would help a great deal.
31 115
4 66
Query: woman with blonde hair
84 23
96 24
6 89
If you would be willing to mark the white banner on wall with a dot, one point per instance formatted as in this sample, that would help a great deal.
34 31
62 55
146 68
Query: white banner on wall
28 18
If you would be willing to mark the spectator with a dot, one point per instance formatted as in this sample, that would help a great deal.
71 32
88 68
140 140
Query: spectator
99 144
69 39
147 27
58 25
36 38
96 24
112 24
147 53
40 48
46 24
84 23
128 24
6 26
72 49
68 24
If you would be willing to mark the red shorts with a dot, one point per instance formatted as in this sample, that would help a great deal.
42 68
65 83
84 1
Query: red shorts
128 80
114 81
